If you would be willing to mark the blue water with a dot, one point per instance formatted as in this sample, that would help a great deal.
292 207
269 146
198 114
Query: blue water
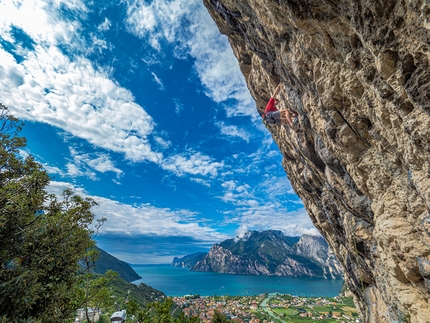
175 281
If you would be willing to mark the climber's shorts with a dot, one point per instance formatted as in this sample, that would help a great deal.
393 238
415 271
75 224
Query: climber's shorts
273 117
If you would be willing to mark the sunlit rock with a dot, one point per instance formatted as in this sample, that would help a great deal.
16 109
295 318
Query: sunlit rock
357 74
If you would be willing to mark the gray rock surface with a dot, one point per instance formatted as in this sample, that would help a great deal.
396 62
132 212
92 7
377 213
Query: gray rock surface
357 74
272 253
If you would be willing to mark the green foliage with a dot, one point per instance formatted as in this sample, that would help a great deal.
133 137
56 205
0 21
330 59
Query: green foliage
95 291
105 262
220 318
348 301
163 312
141 294
41 238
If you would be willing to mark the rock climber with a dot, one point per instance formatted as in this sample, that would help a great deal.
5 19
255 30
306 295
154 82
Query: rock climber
272 115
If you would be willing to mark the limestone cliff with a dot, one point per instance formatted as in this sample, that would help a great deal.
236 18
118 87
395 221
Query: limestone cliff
188 261
272 253
357 74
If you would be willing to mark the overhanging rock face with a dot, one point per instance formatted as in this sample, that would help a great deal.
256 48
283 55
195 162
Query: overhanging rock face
357 74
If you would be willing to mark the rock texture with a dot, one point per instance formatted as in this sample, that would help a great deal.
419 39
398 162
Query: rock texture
357 74
188 261
272 253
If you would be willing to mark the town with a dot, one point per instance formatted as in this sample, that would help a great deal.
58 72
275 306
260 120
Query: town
271 308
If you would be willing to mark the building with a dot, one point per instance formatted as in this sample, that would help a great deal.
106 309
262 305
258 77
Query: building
93 314
119 317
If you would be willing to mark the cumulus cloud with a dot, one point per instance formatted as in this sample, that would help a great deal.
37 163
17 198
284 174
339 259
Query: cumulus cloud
233 131
79 99
188 26
45 85
201 181
85 165
273 216
241 231
71 94
102 164
105 25
145 219
193 163
39 19
261 209
237 194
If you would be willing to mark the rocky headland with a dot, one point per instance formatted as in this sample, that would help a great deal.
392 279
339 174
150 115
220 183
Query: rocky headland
357 74
268 253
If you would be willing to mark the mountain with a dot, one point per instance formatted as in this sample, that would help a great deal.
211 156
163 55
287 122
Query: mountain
121 286
357 74
107 262
142 293
271 253
189 260
317 249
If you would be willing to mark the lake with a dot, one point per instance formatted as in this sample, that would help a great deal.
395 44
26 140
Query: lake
175 281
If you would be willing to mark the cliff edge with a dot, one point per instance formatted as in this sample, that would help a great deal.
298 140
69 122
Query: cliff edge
357 74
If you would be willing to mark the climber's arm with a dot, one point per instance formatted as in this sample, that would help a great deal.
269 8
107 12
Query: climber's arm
276 90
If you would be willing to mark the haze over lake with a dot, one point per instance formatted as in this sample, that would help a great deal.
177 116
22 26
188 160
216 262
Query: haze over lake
174 281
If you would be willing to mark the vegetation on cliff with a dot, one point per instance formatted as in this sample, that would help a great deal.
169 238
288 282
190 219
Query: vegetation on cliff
106 261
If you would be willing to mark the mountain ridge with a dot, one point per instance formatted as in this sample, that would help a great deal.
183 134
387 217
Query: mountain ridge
105 261
270 253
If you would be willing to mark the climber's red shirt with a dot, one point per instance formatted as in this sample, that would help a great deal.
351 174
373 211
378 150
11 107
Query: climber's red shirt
270 106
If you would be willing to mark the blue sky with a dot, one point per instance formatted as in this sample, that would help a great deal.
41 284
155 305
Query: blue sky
141 105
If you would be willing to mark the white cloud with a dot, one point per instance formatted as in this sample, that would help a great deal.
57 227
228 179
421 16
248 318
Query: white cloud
157 80
193 163
162 142
141 19
98 44
233 131
187 24
178 106
49 87
237 194
258 208
145 219
241 231
74 170
35 18
84 165
273 216
201 181
53 170
77 98
102 164
105 25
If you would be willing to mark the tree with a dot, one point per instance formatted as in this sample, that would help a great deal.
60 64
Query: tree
219 318
95 292
161 312
42 239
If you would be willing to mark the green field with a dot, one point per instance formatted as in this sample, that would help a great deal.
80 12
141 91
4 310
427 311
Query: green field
307 320
349 309
286 311
323 309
